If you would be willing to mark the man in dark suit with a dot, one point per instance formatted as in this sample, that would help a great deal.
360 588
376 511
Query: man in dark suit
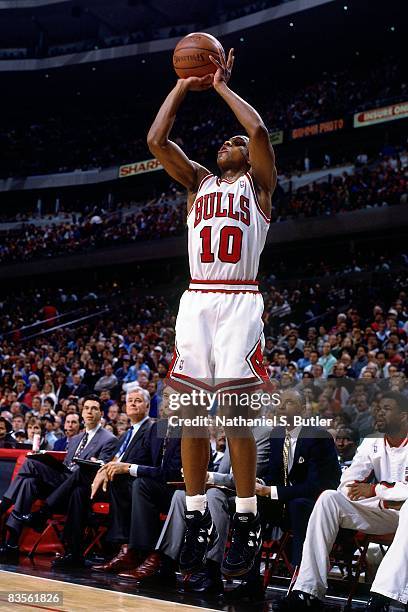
72 426
140 496
37 480
303 462
74 495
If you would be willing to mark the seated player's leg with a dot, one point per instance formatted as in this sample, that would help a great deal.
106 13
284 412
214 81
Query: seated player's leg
332 511
391 580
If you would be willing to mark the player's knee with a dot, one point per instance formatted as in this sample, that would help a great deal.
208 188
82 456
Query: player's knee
328 498
238 432
300 503
215 497
232 407
179 499
194 431
140 484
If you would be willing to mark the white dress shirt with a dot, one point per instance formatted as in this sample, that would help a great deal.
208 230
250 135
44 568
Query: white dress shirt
294 435
91 433
136 427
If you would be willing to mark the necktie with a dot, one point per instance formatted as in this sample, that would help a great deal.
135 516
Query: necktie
286 448
165 441
79 450
125 442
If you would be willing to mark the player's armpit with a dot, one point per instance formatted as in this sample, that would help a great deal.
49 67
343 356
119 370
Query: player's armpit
177 164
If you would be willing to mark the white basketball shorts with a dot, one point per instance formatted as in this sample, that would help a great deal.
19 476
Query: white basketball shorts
219 337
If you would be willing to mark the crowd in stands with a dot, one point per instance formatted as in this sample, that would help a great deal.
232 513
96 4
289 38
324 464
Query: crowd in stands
93 231
59 144
317 330
332 350
382 184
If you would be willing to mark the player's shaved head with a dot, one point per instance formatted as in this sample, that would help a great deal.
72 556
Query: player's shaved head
240 137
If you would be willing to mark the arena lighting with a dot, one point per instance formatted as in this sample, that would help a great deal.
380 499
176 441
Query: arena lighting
143 61
291 24
345 7
241 39
392 28
293 56
93 68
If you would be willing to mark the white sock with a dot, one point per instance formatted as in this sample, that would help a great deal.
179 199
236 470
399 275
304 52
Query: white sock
196 502
246 504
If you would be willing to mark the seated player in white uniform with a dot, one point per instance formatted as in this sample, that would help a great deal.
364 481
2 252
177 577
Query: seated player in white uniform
219 328
378 508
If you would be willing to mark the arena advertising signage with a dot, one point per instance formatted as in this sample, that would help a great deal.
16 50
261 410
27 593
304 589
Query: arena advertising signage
148 165
276 137
325 127
382 114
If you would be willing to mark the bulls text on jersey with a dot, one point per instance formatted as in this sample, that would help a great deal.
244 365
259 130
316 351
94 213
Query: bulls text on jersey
210 205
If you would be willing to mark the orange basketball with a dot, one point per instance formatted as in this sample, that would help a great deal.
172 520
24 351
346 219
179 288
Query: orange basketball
190 57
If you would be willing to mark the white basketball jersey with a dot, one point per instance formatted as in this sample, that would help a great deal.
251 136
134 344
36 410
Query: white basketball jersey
226 230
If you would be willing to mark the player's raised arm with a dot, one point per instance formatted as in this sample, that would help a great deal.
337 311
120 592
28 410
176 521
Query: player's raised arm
174 160
261 155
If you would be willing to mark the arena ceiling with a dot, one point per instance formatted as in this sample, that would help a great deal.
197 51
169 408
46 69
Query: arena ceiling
75 20
327 37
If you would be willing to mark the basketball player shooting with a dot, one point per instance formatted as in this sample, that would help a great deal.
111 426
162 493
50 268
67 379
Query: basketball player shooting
219 329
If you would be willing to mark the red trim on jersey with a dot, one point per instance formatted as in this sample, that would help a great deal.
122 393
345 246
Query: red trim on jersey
179 387
181 380
203 181
403 442
237 383
224 282
221 180
254 359
172 378
172 362
251 182
224 290
388 485
199 187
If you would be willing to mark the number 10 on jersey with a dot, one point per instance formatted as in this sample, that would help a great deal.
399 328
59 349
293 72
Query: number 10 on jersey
230 246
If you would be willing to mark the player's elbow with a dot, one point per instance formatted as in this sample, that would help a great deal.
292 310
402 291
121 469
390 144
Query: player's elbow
153 142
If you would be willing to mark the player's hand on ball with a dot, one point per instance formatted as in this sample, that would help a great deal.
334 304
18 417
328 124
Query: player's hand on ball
198 83
224 68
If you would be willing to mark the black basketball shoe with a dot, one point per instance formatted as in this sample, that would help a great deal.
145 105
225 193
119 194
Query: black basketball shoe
246 542
200 537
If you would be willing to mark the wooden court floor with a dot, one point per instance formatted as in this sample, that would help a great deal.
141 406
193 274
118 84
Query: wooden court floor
80 598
